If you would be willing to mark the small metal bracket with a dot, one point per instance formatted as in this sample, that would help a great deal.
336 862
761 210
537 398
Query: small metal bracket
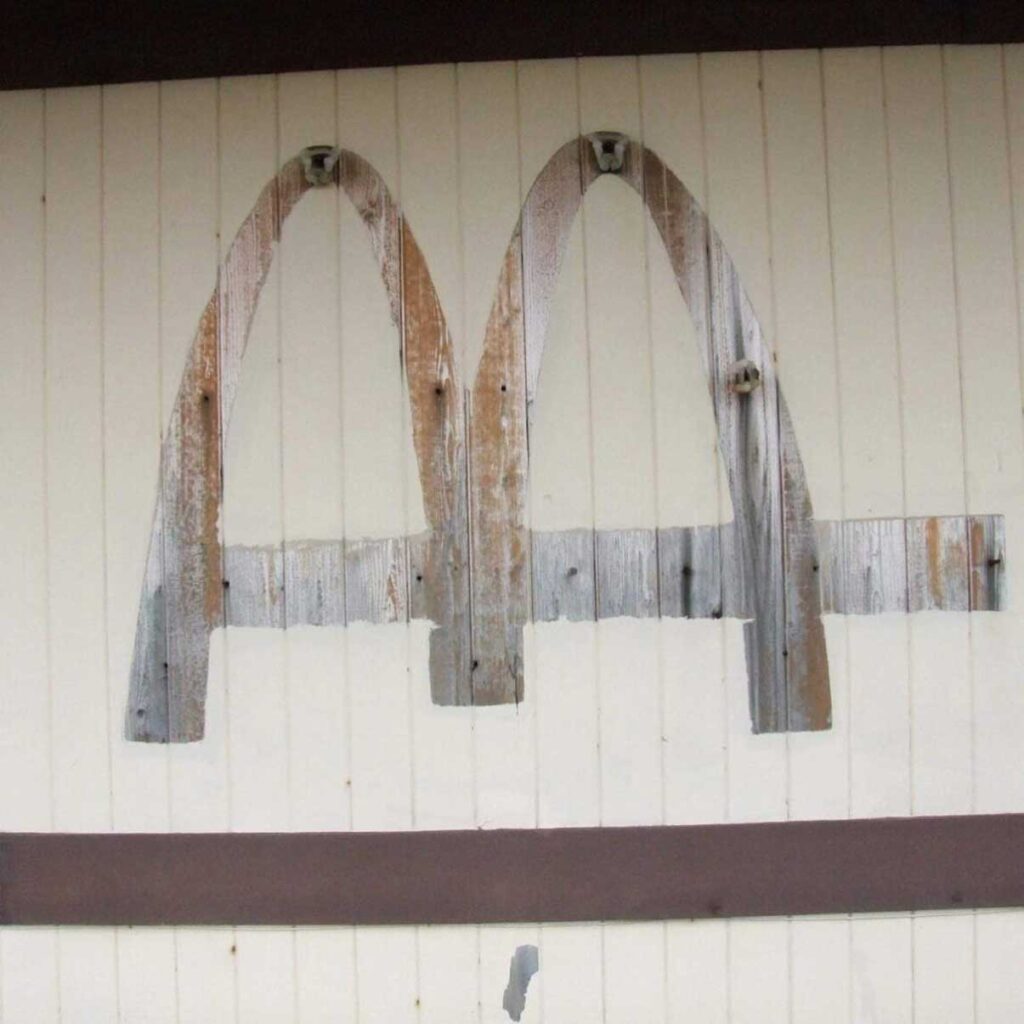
610 150
318 163
744 377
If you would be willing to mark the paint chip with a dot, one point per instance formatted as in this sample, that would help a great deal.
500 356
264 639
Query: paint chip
522 967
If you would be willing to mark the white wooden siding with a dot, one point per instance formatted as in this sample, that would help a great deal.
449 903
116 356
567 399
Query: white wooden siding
873 202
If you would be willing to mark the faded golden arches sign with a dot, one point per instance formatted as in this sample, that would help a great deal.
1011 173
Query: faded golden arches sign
478 573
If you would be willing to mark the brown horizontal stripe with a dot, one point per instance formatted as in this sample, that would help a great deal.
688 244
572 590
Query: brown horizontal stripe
73 44
588 874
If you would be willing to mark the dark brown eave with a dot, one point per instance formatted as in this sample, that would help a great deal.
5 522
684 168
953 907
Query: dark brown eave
81 43
575 874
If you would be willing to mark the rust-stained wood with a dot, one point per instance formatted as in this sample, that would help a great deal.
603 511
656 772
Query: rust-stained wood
481 876
441 564
498 454
470 572
563 561
168 690
986 537
937 569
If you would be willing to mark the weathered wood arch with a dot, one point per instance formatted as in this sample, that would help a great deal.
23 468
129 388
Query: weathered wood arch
471 574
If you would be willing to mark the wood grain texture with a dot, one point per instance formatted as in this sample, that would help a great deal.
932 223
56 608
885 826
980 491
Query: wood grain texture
563 575
498 467
627 574
770 557
690 572
937 570
875 565
987 540
470 573
441 566
376 583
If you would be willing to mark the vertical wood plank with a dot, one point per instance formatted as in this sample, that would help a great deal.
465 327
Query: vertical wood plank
253 512
868 367
325 980
561 486
933 460
944 965
561 481
447 974
132 425
253 502
506 981
313 488
759 961
572 979
28 976
634 972
132 431
979 98
491 193
75 524
25 724
805 350
622 432
737 205
428 161
435 369
386 974
489 200
206 974
74 402
189 254
881 971
146 975
88 974
820 984
696 959
1000 988
375 435
312 467
687 465
265 971
28 957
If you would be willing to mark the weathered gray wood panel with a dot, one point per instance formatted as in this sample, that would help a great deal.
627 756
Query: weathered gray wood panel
627 574
314 583
254 586
563 576
937 564
875 566
690 572
376 580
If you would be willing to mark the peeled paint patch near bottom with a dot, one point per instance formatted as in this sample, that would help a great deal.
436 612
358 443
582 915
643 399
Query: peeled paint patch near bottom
522 967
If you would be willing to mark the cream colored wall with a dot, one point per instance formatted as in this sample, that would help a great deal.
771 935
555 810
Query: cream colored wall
872 202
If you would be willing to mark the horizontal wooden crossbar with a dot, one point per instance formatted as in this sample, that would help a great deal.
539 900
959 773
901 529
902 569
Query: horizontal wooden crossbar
578 874
867 567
